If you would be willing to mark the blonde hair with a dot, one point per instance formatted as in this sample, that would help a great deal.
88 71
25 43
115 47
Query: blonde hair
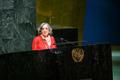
41 25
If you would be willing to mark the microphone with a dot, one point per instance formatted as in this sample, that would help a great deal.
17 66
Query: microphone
63 40
67 42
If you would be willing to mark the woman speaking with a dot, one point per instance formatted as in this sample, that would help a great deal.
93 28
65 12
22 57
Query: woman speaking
44 39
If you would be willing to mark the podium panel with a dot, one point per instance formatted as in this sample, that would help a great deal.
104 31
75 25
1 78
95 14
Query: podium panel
92 62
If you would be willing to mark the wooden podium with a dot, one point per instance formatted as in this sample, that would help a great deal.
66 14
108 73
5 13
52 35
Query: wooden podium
91 62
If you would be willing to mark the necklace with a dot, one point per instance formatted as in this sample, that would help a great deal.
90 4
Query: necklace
47 40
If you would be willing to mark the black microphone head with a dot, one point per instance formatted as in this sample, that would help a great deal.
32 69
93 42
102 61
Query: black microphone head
62 39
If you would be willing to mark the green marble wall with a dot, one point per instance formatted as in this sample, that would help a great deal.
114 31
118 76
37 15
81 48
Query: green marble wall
17 25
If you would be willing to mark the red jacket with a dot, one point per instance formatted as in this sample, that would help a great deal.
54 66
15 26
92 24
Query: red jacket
39 44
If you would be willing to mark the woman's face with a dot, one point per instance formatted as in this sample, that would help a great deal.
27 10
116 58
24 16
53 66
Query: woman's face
45 30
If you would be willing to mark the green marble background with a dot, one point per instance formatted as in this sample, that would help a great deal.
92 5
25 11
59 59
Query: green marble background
17 24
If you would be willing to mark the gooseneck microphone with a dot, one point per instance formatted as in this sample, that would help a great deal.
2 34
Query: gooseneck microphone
63 40
66 42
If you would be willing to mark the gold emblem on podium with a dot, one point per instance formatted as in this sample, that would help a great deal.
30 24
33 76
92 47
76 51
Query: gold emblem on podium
77 54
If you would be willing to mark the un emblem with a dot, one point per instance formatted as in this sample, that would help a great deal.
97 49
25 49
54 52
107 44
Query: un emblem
77 54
